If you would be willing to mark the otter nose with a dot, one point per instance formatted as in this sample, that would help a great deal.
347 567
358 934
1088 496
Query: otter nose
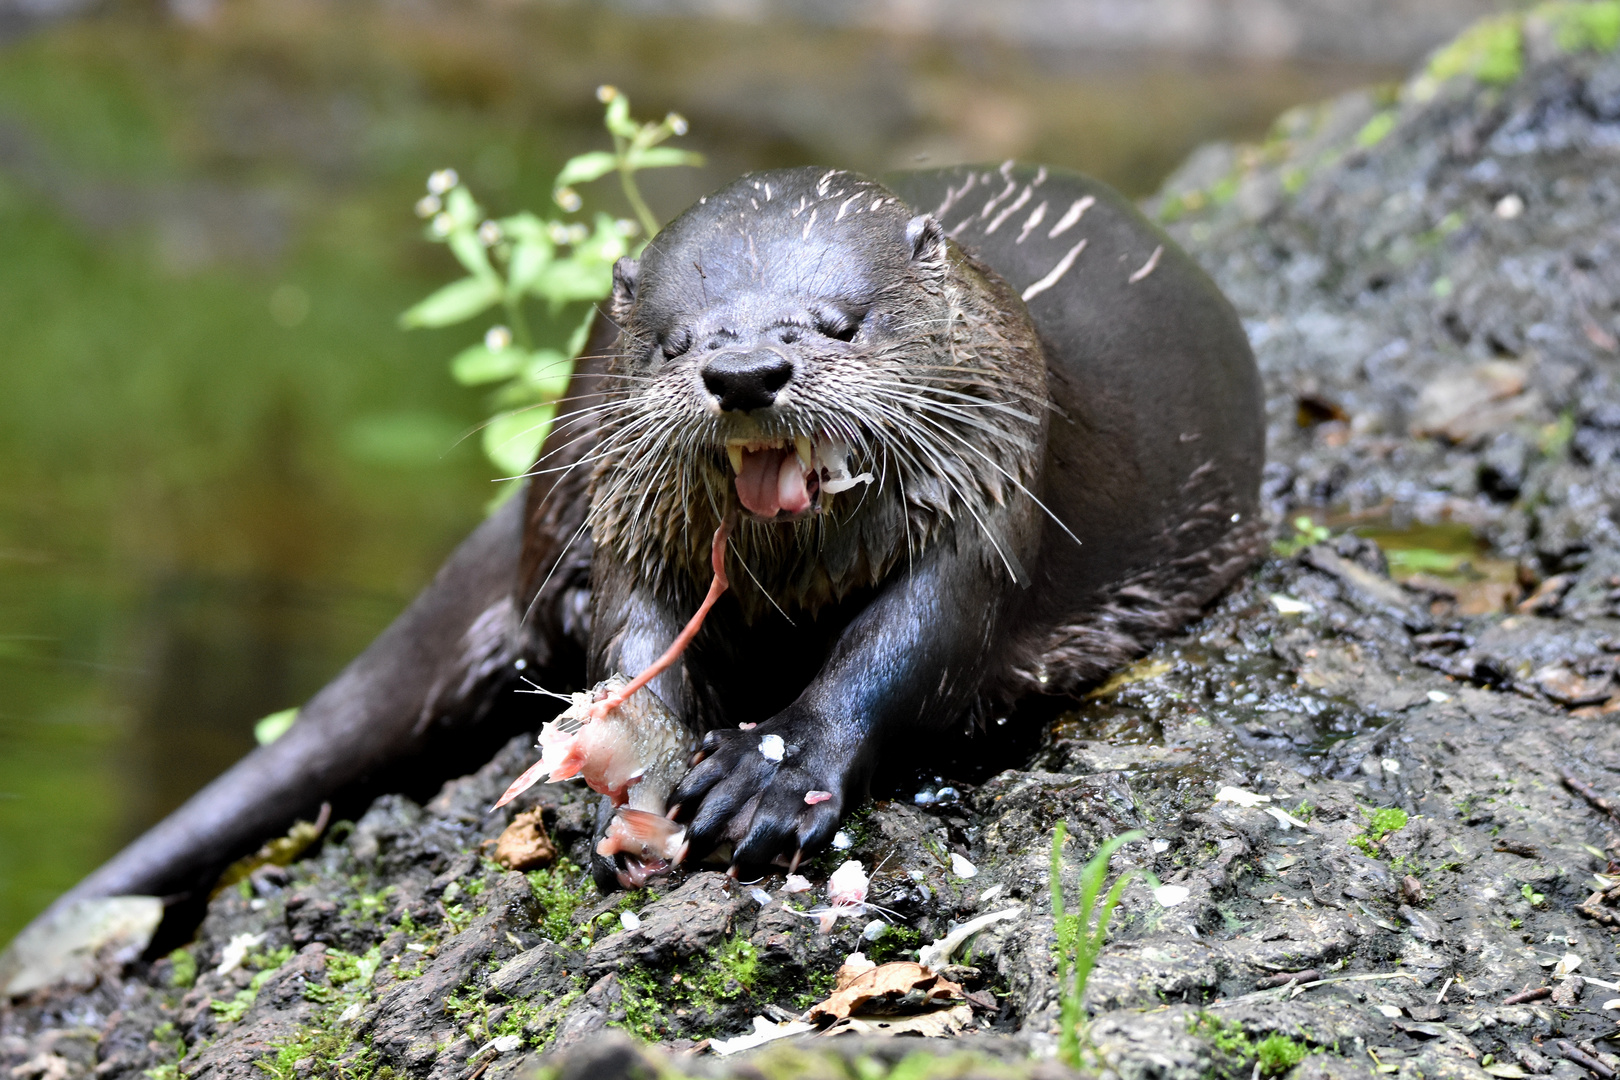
747 381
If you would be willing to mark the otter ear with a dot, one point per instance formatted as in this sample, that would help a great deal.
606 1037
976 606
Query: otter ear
927 240
624 290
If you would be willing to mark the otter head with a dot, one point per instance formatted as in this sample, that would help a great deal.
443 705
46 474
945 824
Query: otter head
801 347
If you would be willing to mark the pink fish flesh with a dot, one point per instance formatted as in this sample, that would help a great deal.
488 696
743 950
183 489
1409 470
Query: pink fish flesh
635 755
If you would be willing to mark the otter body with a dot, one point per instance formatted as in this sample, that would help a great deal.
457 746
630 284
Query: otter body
1059 423
983 433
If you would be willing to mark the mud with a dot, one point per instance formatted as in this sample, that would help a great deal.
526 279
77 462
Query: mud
1431 278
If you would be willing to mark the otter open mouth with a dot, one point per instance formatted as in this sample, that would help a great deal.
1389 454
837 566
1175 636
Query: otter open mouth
783 479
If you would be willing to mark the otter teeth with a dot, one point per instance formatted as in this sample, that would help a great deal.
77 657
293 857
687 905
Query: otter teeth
803 448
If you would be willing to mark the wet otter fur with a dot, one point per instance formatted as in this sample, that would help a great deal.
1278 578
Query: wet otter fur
797 310
1062 422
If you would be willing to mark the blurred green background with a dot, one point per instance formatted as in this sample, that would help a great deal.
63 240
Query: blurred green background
223 468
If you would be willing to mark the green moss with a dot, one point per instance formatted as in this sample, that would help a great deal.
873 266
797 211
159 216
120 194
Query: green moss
1491 51
1240 1056
1384 821
1374 131
561 889
183 970
1306 533
735 966
1277 1053
1553 439
233 1010
343 968
701 990
897 943
1380 824
369 906
1583 27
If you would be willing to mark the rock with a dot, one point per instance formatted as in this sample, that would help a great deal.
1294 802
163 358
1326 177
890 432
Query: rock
79 942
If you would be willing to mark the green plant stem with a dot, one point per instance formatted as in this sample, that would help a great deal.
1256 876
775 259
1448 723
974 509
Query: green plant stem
1067 930
520 322
649 224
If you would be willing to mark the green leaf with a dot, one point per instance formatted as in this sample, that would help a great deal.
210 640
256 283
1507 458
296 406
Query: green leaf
529 260
585 168
470 252
479 364
572 279
456 301
512 439
274 726
659 157
618 119
548 372
526 227
461 206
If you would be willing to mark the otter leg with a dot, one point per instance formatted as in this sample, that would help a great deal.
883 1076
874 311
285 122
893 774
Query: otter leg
906 665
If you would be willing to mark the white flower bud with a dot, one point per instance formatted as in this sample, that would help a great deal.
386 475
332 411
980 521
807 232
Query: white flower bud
606 93
428 205
577 233
442 181
497 338
676 122
443 225
568 199
489 233
627 227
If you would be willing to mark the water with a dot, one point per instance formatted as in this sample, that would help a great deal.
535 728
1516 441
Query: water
223 468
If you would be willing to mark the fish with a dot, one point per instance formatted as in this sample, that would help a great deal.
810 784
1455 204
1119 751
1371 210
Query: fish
635 754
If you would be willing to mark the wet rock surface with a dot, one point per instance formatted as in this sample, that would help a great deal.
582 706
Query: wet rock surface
1387 763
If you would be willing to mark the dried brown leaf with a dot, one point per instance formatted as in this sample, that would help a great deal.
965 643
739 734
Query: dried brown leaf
524 844
900 987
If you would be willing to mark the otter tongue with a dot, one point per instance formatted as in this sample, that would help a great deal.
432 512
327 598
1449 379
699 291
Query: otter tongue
772 480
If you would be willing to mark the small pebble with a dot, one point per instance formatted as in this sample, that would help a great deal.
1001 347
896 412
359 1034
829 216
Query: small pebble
875 929
1171 895
629 920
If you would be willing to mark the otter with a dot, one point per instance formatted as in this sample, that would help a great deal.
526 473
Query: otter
976 434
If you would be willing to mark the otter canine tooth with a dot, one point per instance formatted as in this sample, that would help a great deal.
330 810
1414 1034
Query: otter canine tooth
802 447
734 451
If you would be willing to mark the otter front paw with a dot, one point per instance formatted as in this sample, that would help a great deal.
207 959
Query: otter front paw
775 793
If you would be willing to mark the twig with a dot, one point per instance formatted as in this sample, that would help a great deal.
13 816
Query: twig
1583 1059
1442 997
1589 793
1283 978
1528 995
